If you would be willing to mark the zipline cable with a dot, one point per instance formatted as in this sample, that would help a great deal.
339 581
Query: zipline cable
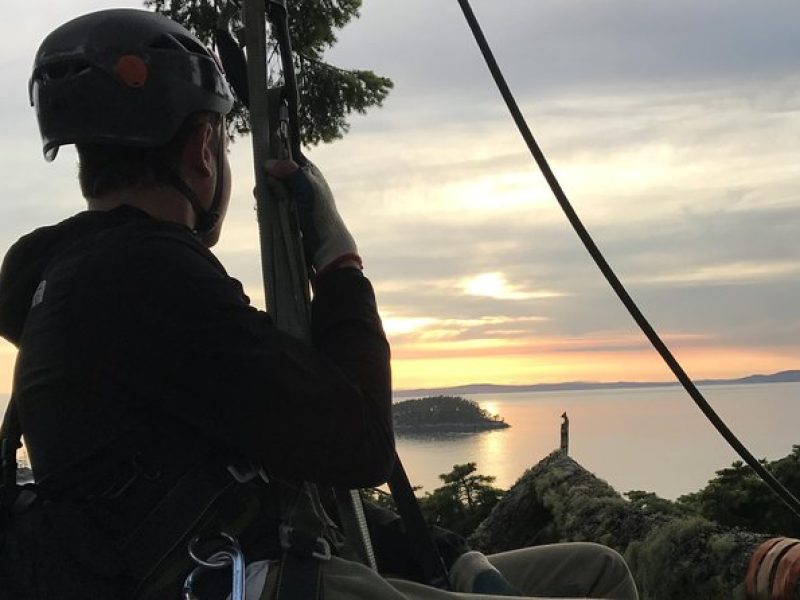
776 486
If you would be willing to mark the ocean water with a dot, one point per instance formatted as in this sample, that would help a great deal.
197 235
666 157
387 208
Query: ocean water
652 439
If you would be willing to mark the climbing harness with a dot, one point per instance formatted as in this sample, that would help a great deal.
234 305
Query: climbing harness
776 486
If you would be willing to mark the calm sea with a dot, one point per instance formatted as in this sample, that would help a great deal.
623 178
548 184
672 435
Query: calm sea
652 439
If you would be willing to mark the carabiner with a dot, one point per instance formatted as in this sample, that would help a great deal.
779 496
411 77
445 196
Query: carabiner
230 555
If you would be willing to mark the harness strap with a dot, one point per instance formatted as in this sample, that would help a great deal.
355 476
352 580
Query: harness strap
300 574
173 520
10 440
427 554
304 546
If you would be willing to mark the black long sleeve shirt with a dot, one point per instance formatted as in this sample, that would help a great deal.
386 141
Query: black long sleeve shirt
124 321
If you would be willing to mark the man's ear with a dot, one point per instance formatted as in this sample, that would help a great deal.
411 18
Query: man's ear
198 155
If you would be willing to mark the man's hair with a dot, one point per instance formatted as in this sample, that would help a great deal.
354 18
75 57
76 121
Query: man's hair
105 168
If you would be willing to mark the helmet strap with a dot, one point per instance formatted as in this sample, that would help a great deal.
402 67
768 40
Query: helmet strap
205 220
213 213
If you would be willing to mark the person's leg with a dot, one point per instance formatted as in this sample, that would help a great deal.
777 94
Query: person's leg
559 571
577 569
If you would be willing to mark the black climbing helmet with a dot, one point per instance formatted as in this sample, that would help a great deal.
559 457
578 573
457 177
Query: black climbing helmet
124 77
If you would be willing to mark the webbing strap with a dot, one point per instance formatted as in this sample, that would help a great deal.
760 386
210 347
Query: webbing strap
10 440
299 577
173 520
425 550
304 546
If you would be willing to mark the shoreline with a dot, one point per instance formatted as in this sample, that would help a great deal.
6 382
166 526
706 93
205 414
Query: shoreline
450 428
491 388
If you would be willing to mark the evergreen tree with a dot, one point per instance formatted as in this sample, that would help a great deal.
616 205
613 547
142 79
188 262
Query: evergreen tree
650 502
465 499
327 94
736 497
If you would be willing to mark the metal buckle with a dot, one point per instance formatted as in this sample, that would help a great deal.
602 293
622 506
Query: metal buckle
286 533
247 475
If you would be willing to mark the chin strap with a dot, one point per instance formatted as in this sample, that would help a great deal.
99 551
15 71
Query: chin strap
205 220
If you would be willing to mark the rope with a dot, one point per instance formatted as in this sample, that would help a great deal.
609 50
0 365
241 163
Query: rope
776 486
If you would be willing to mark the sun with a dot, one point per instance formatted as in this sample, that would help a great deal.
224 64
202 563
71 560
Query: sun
496 285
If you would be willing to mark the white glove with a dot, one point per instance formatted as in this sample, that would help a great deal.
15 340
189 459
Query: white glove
326 239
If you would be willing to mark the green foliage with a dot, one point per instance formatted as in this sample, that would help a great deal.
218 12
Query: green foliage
649 502
687 558
327 94
434 410
465 499
736 497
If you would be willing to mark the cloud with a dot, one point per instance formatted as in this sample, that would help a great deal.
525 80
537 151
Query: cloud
745 271
673 128
554 48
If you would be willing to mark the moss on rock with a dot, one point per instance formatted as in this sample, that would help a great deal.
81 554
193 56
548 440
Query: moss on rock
670 555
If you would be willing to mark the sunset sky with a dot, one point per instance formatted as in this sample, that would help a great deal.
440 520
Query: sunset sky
674 128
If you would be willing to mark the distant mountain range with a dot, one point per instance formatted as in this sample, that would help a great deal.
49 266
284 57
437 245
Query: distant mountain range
489 388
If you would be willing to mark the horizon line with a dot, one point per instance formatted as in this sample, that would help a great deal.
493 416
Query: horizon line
784 376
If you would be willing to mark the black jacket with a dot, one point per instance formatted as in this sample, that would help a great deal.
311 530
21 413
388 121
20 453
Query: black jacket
132 335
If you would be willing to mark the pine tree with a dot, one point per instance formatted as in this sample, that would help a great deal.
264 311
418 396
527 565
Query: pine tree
465 499
327 94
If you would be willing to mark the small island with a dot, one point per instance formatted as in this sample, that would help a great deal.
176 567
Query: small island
443 414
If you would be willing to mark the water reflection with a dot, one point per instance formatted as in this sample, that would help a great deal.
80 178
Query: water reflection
650 438
491 407
436 436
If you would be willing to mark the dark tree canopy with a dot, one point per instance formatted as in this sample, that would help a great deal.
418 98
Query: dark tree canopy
327 94
465 499
736 497
434 410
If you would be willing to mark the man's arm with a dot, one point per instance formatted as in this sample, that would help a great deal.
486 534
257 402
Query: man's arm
319 413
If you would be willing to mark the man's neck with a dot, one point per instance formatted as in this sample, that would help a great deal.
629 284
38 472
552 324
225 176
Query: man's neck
162 203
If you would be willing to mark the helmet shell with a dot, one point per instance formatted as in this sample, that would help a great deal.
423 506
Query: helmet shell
123 77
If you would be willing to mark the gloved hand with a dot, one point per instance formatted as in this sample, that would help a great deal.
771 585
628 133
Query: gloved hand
327 242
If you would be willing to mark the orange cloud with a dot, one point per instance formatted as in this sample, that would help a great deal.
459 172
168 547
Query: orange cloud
549 360
8 355
412 368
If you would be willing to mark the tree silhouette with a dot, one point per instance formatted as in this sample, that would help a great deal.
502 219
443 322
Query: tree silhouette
327 94
465 499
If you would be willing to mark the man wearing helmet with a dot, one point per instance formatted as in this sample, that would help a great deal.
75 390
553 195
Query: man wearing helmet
140 360
144 379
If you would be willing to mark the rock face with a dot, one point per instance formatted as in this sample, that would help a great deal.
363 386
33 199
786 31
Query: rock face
670 556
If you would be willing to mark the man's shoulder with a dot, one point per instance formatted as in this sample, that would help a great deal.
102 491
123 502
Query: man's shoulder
117 227
121 243
150 248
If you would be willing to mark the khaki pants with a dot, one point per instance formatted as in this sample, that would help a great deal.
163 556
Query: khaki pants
574 570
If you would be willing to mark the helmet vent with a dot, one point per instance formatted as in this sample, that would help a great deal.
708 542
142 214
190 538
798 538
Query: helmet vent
184 43
64 70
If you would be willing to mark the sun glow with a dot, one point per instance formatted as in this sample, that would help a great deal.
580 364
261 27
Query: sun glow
8 356
394 326
496 285
413 368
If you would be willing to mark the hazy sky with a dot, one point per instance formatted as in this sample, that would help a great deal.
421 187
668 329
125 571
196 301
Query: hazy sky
674 127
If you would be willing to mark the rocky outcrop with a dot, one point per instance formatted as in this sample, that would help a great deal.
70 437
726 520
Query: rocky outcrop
671 556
